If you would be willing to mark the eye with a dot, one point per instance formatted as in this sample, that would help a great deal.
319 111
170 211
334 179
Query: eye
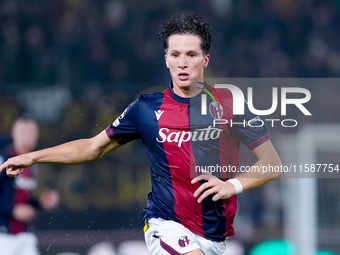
174 54
192 55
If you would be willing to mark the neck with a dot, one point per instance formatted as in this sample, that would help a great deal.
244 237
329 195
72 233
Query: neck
189 91
182 92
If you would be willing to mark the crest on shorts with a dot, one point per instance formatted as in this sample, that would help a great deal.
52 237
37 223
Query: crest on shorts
183 241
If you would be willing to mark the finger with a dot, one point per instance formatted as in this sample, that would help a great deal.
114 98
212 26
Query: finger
218 196
196 179
3 166
208 184
12 175
203 187
14 172
225 192
207 193
204 176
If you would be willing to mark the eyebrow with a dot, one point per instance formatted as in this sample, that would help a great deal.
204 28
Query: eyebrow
186 52
193 51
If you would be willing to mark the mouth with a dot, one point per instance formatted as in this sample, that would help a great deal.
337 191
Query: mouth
183 76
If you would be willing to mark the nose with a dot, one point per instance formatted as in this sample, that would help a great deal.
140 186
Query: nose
183 63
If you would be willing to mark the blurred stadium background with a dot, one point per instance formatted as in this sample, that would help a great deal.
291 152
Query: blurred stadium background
76 64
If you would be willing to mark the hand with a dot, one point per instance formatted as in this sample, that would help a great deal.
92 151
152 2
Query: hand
16 164
222 190
49 199
23 212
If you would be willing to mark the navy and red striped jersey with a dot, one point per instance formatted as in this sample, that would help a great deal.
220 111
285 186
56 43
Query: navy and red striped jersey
177 139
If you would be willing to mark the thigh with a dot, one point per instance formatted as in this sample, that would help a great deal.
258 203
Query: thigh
194 252
168 237
211 247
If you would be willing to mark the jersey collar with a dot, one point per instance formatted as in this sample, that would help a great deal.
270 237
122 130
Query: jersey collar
184 100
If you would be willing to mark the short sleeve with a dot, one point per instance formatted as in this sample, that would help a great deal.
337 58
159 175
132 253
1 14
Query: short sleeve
251 129
125 128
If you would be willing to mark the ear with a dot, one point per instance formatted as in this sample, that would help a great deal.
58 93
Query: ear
166 61
206 60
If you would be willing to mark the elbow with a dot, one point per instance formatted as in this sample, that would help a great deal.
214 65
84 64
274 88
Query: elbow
271 166
94 151
98 156
94 155
277 164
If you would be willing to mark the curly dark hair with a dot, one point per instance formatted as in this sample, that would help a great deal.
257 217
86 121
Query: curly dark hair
190 24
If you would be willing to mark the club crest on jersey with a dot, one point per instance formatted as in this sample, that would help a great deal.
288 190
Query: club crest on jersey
216 110
183 241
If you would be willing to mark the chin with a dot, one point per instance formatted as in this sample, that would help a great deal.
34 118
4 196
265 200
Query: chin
183 84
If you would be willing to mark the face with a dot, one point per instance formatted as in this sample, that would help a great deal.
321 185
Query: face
25 136
185 60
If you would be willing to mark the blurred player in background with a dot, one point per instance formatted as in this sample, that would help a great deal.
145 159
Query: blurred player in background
184 215
18 206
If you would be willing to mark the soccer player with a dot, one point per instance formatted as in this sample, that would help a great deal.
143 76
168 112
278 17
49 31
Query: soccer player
18 206
186 213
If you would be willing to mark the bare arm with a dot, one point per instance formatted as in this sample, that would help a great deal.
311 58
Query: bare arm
266 155
75 152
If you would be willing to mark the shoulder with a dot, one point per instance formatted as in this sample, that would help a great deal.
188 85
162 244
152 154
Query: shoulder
141 104
226 97
150 97
222 92
150 100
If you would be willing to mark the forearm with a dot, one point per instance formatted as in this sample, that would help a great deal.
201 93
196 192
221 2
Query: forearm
264 170
267 157
239 184
259 174
75 152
